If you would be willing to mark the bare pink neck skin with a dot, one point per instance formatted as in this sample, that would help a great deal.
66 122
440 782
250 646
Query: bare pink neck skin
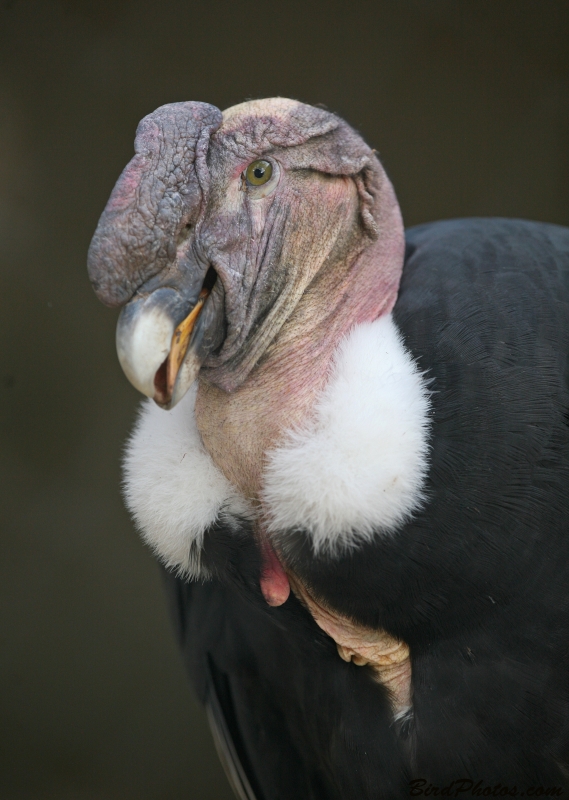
334 303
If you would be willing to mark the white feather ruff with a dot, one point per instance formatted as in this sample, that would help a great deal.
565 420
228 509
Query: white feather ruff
172 488
356 471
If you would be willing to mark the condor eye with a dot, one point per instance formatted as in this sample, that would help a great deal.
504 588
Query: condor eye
259 172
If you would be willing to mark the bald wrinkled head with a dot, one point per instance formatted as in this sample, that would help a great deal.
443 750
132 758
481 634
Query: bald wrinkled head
185 206
157 195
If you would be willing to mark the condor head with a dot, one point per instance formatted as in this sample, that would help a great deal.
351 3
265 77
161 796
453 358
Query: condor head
218 226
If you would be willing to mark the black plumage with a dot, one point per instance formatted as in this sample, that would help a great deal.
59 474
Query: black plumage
476 583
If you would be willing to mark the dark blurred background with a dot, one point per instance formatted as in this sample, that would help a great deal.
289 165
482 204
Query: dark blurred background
467 102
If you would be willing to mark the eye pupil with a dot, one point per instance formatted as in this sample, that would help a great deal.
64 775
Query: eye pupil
259 172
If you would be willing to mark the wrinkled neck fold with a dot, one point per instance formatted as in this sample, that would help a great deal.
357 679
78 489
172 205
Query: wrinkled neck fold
353 292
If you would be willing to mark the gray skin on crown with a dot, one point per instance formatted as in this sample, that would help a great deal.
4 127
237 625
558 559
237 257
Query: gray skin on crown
179 207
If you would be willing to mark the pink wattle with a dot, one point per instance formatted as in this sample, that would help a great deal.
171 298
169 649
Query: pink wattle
274 581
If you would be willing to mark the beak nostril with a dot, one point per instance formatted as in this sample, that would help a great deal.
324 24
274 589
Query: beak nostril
184 234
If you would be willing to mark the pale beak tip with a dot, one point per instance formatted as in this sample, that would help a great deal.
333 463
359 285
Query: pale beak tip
154 353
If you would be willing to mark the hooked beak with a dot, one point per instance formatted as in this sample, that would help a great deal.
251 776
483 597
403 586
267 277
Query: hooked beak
143 254
164 336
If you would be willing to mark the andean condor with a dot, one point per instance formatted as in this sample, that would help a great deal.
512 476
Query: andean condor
377 421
